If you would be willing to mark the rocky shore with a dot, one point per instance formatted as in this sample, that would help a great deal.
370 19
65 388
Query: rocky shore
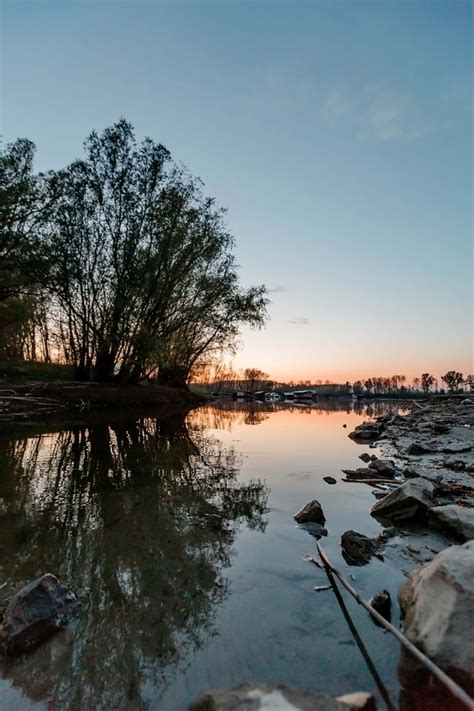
424 490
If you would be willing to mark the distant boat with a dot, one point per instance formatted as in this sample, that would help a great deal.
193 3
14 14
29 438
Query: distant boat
242 395
303 394
273 397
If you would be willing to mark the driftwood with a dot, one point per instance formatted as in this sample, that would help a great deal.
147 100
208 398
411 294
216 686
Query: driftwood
357 638
446 680
372 482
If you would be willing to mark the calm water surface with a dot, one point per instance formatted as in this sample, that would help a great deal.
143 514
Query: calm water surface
179 538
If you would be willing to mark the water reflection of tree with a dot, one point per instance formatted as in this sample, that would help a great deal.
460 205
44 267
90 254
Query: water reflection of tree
222 415
140 517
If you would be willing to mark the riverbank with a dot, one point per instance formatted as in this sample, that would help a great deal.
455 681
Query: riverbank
68 402
423 479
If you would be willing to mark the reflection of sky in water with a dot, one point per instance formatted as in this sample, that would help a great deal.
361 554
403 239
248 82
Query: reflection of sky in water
180 538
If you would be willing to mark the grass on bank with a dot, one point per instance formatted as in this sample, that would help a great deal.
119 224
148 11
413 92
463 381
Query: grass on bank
23 370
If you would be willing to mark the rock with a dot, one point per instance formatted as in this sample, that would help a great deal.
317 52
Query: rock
440 428
35 613
367 431
458 520
310 513
362 473
382 603
255 697
358 549
329 480
412 472
410 500
384 467
438 604
359 701
365 457
457 448
419 448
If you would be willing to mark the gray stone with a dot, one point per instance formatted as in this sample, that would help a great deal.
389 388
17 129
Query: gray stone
457 448
458 520
438 604
412 472
419 448
363 473
358 549
329 480
310 513
367 431
35 613
384 467
410 500
256 697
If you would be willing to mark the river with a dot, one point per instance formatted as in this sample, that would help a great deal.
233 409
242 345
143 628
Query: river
179 538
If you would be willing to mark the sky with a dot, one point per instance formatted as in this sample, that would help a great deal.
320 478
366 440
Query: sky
338 134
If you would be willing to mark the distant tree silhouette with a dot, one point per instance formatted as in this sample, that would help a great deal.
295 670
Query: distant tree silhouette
453 379
427 381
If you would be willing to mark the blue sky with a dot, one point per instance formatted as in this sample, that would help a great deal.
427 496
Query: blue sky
338 134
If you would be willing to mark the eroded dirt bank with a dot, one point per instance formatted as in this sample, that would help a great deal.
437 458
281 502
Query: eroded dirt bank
62 402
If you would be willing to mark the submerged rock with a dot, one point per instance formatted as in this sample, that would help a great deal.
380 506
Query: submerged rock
358 549
329 480
35 613
411 499
310 513
458 520
438 604
316 530
382 603
365 457
255 697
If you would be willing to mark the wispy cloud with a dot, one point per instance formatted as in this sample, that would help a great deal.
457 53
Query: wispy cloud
277 289
376 111
335 105
393 116
299 321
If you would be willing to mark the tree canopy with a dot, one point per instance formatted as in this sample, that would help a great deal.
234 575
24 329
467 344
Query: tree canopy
135 260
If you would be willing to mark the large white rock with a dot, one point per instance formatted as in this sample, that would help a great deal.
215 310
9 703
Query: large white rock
413 498
438 603
455 519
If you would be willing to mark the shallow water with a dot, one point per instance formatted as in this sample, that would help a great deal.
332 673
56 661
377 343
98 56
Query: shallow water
179 538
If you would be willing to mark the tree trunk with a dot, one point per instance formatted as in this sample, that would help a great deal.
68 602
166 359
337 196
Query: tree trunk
103 371
173 377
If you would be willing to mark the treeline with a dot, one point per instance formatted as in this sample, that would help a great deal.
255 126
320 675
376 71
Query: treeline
117 264
220 377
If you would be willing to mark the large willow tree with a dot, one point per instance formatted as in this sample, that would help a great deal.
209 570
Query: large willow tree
141 269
